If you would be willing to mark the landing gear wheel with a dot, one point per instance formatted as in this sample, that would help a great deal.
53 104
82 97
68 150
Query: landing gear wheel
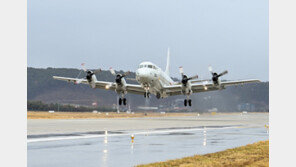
185 102
158 95
124 101
146 94
119 101
189 102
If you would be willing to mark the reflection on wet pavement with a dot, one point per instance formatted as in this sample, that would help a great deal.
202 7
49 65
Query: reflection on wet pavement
147 147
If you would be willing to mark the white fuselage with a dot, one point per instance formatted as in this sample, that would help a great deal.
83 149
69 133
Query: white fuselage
152 78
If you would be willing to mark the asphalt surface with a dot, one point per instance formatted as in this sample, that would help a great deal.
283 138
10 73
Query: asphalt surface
58 126
108 142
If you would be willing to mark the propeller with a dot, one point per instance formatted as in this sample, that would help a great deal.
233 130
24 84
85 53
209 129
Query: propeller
89 73
215 76
118 76
185 79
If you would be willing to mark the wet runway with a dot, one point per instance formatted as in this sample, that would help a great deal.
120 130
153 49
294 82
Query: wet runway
70 126
115 148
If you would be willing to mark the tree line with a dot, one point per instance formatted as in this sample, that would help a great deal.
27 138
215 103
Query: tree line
40 106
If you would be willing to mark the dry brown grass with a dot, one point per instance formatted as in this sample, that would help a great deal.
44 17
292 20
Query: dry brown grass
89 115
252 155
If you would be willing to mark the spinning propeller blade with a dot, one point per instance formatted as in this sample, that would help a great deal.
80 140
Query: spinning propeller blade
126 73
118 75
223 73
181 70
215 76
112 71
185 79
210 69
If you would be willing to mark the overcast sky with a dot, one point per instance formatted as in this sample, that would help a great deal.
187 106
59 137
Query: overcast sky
228 34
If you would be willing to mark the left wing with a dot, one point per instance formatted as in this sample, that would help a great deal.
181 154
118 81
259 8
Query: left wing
130 88
74 80
200 87
135 89
97 84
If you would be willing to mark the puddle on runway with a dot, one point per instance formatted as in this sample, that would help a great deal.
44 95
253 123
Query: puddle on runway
180 133
73 134
146 148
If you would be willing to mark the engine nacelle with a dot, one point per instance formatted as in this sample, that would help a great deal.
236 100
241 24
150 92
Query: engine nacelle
91 78
120 87
186 88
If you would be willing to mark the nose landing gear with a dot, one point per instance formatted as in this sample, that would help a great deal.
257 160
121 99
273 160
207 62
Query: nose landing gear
146 94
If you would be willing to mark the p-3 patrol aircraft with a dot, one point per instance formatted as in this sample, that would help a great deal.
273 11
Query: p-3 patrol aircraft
152 80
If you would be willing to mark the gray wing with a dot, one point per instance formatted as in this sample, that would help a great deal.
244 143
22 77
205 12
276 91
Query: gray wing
135 89
130 88
200 87
74 80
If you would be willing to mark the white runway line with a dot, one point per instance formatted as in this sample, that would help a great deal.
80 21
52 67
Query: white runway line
126 134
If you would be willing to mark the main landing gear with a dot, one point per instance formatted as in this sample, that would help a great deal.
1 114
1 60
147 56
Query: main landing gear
187 102
158 96
122 101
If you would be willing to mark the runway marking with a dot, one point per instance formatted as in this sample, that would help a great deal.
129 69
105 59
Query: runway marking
126 134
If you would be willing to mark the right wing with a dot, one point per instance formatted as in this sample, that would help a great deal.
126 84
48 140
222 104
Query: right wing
239 82
173 90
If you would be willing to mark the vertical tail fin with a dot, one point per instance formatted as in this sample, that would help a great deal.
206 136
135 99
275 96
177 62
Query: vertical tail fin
167 69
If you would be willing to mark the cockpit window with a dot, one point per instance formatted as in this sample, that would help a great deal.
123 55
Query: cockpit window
148 66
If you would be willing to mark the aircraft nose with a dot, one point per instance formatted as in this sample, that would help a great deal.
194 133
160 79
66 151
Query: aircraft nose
142 75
